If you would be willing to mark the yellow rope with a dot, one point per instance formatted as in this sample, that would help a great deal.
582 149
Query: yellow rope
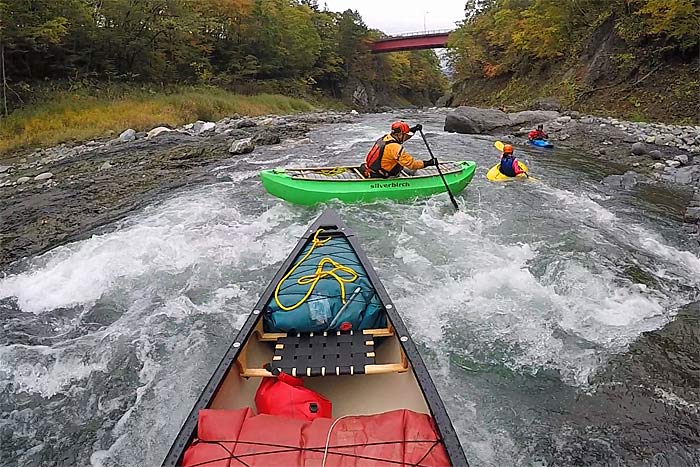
332 172
318 275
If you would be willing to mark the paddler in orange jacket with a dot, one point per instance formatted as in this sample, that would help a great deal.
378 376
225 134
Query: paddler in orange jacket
387 157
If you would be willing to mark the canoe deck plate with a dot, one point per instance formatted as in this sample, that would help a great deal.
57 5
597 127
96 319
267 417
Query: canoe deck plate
353 173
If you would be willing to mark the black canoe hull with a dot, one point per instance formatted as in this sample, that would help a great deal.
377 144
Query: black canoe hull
332 225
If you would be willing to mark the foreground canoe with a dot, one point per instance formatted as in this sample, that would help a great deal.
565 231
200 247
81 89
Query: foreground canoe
541 143
351 391
495 175
308 186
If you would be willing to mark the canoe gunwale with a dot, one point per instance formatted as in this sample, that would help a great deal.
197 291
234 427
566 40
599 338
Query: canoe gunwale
333 226
454 168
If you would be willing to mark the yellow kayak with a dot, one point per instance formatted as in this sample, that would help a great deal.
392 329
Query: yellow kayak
495 175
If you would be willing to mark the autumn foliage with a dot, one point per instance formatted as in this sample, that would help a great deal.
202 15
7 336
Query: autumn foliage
222 43
506 36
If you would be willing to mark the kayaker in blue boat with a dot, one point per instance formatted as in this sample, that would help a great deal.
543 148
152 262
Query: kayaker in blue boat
387 158
538 133
509 164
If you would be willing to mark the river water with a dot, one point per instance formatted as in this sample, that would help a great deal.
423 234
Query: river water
557 316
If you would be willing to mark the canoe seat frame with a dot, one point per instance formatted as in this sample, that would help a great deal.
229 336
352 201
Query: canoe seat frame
355 349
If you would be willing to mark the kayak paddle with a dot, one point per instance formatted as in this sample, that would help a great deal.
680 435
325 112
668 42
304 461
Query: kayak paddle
452 198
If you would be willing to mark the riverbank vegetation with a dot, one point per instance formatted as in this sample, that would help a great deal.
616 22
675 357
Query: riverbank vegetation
638 58
78 116
52 49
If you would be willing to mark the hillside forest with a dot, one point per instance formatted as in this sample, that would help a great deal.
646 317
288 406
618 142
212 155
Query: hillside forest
291 47
635 57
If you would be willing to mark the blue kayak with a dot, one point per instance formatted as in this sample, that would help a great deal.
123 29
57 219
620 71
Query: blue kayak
541 143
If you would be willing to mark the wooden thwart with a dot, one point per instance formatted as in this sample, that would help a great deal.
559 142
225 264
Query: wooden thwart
369 370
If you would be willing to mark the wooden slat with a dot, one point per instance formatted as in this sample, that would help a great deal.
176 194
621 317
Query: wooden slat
380 332
256 373
271 336
369 370
386 368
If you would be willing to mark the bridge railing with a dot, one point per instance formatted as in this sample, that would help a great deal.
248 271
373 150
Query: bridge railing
432 32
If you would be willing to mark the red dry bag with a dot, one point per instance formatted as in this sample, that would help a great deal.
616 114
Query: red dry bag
286 396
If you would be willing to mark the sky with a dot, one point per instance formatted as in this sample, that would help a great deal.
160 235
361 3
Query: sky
414 15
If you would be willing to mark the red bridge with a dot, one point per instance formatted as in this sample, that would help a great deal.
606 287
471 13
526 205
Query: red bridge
412 41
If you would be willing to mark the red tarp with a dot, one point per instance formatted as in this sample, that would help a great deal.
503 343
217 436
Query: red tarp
390 439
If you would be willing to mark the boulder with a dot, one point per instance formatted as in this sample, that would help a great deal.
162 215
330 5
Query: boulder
200 127
22 180
43 176
692 214
630 179
639 149
685 175
656 155
235 133
473 120
682 158
5 168
245 123
445 101
627 180
157 131
243 146
532 117
266 138
127 136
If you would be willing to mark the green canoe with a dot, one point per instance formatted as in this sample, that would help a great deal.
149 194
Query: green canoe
317 185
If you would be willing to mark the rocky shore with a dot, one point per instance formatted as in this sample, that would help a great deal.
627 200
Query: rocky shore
52 196
653 152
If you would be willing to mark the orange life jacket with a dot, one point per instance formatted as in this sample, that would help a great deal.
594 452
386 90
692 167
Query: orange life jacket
373 161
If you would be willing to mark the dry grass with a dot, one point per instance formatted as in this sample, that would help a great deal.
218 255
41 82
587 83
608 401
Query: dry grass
79 118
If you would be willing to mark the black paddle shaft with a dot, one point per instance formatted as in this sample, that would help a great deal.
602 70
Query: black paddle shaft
437 166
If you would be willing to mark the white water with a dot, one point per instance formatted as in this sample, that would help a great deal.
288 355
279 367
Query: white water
527 278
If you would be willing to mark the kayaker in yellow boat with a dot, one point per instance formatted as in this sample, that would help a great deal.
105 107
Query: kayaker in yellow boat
387 157
509 164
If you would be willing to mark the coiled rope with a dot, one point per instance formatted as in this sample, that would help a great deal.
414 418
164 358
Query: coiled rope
320 273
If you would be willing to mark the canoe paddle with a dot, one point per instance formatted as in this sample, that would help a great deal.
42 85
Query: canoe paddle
499 145
437 166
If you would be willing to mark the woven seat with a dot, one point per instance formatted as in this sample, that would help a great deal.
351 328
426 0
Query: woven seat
324 353
317 354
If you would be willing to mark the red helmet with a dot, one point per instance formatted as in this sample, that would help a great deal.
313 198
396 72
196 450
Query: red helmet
400 126
507 149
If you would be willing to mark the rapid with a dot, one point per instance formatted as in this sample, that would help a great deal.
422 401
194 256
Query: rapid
555 315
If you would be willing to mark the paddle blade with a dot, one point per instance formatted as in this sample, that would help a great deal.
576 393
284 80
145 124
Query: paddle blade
499 145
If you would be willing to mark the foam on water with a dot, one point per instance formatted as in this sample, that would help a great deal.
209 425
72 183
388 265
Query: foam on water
181 234
488 289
